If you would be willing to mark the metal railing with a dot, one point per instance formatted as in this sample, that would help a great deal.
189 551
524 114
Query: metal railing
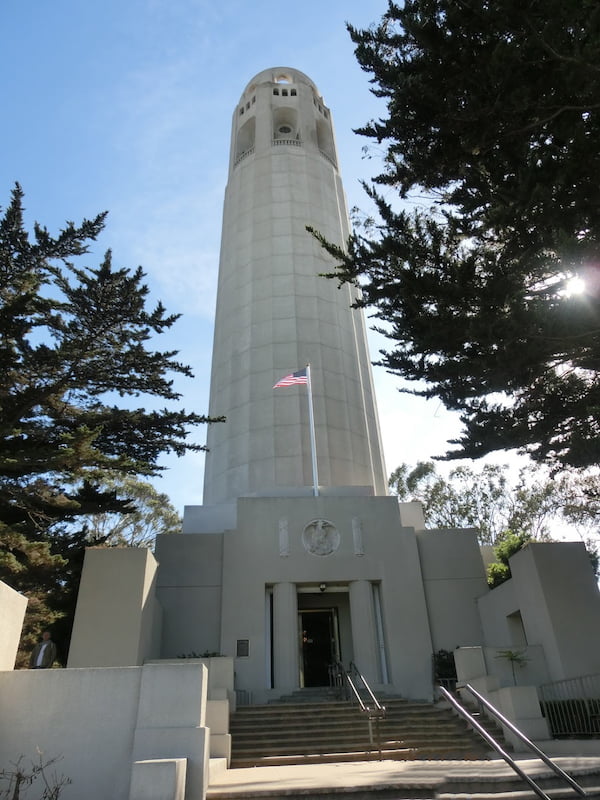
243 155
289 142
329 158
353 684
487 736
572 706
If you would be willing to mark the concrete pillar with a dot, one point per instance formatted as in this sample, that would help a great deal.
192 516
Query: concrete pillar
285 636
171 724
118 619
470 663
364 630
521 705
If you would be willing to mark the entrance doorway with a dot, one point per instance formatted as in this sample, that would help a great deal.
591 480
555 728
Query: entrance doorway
319 645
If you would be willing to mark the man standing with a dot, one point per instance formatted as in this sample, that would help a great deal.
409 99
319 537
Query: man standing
43 654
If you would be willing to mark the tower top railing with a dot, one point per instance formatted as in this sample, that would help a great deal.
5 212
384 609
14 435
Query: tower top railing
292 142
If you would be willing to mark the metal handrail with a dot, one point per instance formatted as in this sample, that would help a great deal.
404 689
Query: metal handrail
377 708
353 680
462 711
572 705
520 735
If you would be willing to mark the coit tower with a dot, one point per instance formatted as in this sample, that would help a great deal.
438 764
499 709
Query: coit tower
276 313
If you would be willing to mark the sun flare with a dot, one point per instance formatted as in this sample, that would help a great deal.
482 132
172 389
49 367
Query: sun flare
574 286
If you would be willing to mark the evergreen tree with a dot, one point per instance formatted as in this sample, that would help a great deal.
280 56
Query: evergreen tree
73 342
493 114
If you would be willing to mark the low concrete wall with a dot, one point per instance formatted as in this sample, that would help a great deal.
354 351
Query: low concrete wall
12 613
100 721
478 662
221 701
85 717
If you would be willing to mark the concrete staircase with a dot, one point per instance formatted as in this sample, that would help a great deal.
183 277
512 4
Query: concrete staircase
314 728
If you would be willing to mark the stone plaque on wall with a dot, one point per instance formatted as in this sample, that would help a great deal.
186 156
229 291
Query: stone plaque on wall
320 537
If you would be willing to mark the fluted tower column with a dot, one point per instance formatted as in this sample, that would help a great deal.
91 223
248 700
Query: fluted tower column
275 313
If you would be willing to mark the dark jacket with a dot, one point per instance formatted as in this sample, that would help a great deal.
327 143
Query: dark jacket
49 654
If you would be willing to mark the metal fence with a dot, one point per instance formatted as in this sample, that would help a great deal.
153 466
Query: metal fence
572 707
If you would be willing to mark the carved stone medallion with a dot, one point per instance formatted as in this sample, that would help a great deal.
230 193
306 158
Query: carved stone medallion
320 537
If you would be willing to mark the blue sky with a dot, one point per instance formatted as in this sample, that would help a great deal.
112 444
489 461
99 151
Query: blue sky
126 106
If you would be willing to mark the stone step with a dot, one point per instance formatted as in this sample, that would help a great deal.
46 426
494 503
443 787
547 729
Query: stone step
392 704
351 720
341 711
317 753
437 782
427 721
310 696
400 754
423 792
359 720
360 735
350 744
324 793
591 793
322 732
345 732
254 714
494 788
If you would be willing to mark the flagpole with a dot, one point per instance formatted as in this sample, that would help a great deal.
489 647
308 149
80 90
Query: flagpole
313 443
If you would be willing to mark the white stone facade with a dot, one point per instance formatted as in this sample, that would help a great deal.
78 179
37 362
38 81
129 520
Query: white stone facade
275 313
276 581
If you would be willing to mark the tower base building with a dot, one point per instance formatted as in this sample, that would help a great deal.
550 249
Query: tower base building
298 560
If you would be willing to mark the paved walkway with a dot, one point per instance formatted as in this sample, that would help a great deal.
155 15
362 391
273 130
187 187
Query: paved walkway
380 775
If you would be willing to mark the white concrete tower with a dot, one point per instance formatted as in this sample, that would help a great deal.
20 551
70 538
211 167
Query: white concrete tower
275 313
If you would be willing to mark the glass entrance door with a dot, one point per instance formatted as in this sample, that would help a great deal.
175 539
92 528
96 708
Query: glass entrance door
319 643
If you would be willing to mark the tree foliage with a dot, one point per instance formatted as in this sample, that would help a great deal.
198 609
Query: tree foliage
46 564
19 777
506 546
492 113
75 357
151 513
72 340
533 504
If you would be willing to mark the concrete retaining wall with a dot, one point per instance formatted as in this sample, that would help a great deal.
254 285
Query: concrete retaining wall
99 721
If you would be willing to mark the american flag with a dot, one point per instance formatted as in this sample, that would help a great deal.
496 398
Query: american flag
292 380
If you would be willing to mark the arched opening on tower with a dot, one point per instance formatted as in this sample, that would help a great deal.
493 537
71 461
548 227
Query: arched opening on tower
285 124
325 139
245 137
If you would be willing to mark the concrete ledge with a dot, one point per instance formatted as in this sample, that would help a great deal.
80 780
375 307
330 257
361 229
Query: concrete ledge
217 716
173 743
220 746
215 767
567 747
158 779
